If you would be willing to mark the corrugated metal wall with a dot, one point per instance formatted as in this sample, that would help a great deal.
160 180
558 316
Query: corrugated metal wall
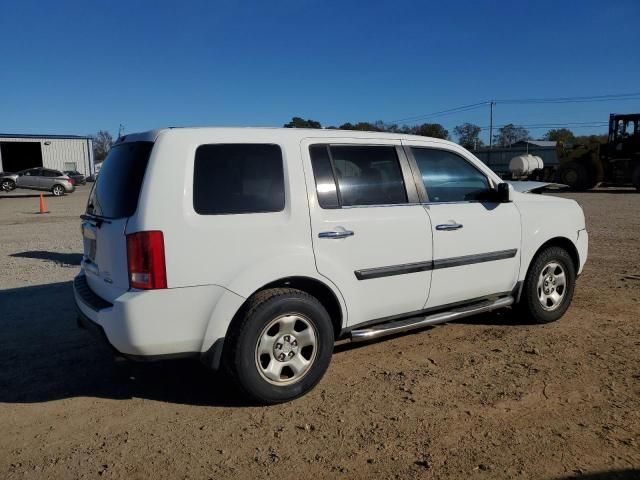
61 154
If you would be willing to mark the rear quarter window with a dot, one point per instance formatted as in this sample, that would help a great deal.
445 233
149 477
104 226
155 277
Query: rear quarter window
238 178
117 188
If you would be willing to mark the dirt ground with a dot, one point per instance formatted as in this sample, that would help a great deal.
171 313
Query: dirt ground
489 397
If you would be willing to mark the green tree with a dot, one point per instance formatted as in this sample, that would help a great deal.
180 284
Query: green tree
434 130
468 135
297 122
563 135
102 142
510 134
363 126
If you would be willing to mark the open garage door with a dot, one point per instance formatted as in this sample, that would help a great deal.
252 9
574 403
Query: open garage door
17 156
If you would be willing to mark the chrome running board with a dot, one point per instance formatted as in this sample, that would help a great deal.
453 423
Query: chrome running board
400 326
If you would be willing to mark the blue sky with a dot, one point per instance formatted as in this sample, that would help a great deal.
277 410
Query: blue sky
77 67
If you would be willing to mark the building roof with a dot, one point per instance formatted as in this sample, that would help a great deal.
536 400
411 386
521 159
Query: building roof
52 137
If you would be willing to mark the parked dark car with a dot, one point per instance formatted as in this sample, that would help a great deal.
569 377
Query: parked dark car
76 176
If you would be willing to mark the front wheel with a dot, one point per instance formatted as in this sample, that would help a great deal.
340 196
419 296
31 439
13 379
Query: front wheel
57 190
548 287
281 345
576 175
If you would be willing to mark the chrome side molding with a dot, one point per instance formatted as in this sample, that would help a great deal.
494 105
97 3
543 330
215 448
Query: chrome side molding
407 324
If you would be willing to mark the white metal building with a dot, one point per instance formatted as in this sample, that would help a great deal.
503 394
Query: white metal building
59 152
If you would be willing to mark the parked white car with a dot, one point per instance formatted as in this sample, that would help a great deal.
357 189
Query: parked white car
255 249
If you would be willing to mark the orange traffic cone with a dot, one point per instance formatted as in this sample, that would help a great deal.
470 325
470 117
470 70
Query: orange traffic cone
43 205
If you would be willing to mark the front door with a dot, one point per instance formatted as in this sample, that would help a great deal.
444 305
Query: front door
29 179
476 241
371 237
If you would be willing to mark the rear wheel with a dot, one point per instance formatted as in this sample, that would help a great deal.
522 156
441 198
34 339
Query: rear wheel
57 190
7 185
281 346
548 287
576 175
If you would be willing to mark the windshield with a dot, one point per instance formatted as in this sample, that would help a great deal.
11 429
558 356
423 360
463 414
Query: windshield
115 193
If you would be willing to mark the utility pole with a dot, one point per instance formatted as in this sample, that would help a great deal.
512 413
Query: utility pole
491 104
120 131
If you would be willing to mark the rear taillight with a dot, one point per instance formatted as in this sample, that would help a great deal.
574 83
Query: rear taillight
145 258
72 181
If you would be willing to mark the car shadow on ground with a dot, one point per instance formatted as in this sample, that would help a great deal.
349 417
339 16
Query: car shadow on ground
627 474
64 259
503 317
45 357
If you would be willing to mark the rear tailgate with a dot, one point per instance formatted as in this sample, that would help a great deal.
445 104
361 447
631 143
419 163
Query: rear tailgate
113 199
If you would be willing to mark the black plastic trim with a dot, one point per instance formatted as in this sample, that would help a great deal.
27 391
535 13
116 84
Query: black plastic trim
476 258
87 295
379 272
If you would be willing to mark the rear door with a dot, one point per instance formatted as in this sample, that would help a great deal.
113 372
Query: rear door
48 178
476 241
371 237
113 199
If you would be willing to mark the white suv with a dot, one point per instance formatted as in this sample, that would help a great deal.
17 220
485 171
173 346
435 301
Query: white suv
255 249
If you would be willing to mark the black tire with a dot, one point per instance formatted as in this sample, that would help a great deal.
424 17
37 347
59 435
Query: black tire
7 185
575 175
58 190
530 305
635 178
242 360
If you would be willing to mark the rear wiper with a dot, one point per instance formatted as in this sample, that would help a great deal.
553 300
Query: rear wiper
97 219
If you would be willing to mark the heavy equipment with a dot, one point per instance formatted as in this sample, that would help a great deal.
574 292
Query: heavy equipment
616 162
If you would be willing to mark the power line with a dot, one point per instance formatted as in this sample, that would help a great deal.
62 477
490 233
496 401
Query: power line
463 108
524 101
555 125
583 99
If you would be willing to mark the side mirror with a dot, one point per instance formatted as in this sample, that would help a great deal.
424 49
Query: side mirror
504 192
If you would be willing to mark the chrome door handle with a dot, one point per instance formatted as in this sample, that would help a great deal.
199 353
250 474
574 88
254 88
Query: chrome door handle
336 234
449 226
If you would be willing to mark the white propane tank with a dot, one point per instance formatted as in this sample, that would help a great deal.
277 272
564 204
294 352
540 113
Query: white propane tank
522 165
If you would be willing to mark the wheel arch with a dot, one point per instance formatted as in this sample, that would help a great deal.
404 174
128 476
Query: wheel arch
562 242
212 354
317 289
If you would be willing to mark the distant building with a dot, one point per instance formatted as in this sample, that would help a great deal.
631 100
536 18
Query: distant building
498 158
59 152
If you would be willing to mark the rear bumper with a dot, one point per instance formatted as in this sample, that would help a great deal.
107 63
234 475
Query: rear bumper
149 325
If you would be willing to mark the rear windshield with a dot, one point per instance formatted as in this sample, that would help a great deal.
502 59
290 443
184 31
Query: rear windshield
115 193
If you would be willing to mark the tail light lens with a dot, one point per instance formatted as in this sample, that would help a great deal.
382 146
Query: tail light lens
72 181
145 259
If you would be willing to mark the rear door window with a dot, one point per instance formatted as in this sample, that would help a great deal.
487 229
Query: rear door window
117 188
238 178
365 175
